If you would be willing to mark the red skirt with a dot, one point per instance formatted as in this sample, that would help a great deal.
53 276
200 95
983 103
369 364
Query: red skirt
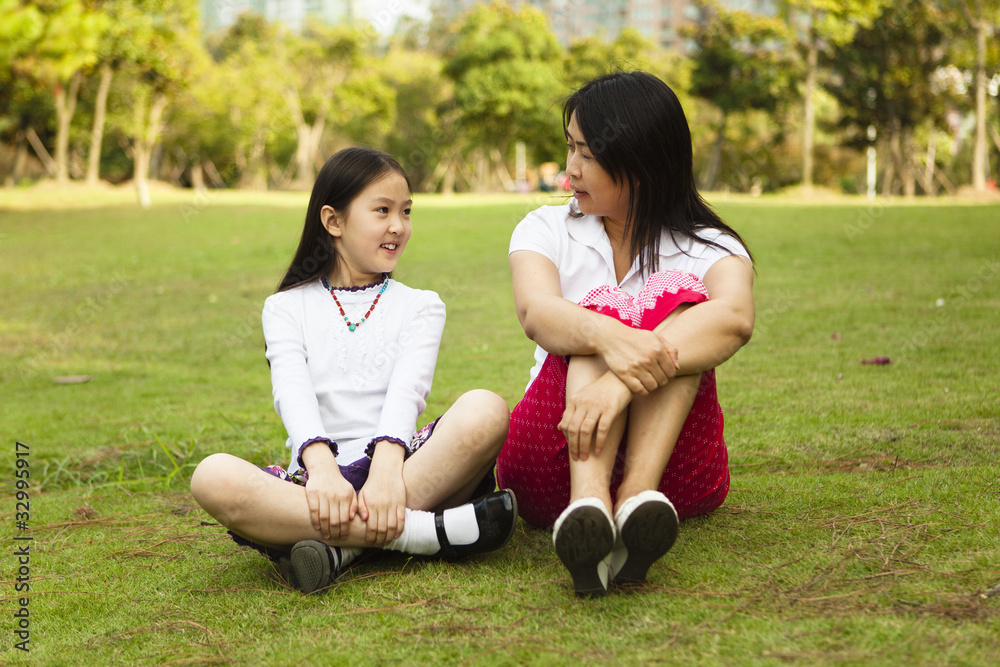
534 462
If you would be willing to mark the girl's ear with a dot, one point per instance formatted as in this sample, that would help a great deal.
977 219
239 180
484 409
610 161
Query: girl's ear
331 221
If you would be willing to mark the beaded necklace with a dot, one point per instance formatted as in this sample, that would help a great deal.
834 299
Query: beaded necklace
351 326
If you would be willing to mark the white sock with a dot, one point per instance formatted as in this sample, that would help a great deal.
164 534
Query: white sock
420 535
460 524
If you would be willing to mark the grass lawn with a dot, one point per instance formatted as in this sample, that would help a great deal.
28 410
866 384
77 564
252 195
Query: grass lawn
862 527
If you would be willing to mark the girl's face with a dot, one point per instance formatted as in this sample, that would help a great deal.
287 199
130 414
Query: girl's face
372 233
595 191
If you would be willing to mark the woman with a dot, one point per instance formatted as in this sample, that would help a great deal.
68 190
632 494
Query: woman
634 292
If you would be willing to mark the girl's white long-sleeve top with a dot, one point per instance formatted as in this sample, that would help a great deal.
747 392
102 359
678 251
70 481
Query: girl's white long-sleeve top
352 387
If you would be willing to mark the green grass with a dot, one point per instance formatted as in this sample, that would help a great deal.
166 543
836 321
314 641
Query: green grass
861 528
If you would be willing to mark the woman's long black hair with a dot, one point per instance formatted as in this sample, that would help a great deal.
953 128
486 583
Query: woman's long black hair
342 178
637 130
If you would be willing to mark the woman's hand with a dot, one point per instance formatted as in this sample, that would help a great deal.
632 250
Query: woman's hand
590 413
643 360
332 502
382 500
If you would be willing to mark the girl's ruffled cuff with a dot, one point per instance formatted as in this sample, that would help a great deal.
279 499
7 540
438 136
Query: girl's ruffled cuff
302 448
370 449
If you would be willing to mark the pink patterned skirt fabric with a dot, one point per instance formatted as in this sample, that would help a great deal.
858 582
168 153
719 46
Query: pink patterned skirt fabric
534 462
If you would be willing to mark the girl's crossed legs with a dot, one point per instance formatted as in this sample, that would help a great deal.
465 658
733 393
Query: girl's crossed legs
442 474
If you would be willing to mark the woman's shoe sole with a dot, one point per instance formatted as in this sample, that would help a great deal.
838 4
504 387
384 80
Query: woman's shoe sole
583 542
648 534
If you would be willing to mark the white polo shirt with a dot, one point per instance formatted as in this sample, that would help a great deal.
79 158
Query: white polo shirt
581 251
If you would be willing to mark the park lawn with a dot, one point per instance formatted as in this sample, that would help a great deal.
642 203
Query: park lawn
862 526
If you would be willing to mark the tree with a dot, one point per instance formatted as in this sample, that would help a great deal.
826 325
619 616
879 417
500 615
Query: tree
826 23
245 92
738 66
420 137
58 58
981 18
165 56
884 80
332 81
504 63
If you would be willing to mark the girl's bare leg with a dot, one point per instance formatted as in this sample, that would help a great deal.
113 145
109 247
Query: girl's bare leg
462 450
259 506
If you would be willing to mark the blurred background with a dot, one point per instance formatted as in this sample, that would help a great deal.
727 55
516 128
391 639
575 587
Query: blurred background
863 97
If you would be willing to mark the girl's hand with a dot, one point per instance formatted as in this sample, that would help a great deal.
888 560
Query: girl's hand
642 360
382 500
332 502
590 413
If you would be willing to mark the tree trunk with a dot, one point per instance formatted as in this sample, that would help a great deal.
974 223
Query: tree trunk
149 132
715 157
929 188
500 168
198 178
254 176
909 173
979 166
309 136
20 157
97 133
65 108
43 155
809 124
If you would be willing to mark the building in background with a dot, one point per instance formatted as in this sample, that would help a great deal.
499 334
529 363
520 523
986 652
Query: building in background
219 14
659 21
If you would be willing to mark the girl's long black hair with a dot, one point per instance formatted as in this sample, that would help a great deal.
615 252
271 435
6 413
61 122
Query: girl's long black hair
342 178
637 130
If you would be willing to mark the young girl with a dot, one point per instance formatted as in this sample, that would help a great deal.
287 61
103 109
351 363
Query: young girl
634 292
352 355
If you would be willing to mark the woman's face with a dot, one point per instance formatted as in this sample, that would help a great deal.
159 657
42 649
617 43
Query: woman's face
595 191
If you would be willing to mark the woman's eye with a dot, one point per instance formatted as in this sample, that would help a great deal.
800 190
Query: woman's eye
383 209
406 211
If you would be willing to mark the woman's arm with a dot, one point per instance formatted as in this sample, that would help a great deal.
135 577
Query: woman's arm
707 334
642 359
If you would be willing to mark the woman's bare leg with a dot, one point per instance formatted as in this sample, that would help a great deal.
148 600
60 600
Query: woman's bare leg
655 423
592 478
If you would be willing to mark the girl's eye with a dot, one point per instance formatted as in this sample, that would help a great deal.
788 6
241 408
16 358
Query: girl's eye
383 209
406 212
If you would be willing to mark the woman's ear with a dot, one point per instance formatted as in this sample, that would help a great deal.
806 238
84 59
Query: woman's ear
331 221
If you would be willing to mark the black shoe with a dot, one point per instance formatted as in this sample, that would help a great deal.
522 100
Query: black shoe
584 535
647 530
496 515
311 566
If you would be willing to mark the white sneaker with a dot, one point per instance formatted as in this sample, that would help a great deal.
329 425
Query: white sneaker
647 527
584 535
